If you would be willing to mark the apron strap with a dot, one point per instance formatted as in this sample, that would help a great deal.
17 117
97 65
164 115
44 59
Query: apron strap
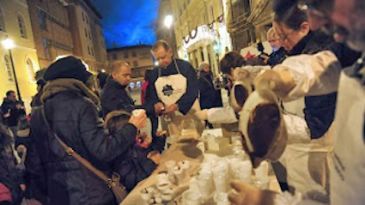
176 66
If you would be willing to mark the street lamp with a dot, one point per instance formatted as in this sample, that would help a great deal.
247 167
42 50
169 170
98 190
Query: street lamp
9 44
169 19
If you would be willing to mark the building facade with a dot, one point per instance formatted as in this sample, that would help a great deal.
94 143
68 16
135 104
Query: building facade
138 57
248 21
201 32
51 26
65 27
87 34
15 24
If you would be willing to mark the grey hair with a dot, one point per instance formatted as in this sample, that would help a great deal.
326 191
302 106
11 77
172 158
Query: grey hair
203 65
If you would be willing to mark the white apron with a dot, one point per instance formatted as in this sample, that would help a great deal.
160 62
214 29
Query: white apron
307 161
169 90
348 170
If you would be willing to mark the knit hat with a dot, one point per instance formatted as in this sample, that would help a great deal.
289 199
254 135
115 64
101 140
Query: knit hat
67 67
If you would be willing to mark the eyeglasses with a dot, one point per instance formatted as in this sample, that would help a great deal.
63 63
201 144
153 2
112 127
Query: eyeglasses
284 36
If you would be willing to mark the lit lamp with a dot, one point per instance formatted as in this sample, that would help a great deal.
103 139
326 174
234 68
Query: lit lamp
169 19
9 44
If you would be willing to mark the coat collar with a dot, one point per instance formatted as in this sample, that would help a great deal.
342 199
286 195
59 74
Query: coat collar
67 84
300 46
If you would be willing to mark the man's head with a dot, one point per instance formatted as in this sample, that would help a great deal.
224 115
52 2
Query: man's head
273 39
290 23
121 72
205 67
10 95
349 15
162 53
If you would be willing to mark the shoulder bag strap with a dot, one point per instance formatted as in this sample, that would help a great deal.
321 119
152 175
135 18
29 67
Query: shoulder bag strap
74 154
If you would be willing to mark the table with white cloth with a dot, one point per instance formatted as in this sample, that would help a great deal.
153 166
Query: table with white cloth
199 158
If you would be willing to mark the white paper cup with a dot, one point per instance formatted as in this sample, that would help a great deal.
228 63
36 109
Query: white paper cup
262 172
191 198
179 174
221 198
184 164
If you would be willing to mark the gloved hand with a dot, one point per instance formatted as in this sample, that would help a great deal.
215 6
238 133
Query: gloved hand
279 81
250 195
240 74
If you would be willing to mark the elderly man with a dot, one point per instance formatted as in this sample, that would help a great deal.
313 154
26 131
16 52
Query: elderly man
173 86
174 82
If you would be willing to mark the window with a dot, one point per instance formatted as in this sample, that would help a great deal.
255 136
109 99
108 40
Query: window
22 29
134 54
2 24
45 44
85 32
126 54
8 68
83 16
42 20
247 6
135 63
30 70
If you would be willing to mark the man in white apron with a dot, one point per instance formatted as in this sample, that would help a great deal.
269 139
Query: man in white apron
348 169
174 88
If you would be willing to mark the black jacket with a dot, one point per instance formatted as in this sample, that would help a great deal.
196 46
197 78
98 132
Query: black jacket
73 115
319 110
15 113
209 96
115 97
277 57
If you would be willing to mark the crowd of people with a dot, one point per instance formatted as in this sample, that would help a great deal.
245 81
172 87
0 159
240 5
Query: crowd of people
315 71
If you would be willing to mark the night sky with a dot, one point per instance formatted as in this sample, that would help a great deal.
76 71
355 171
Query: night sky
128 22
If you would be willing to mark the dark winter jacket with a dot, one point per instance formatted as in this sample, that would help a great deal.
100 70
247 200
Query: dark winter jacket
209 96
10 175
15 113
319 110
72 112
277 57
115 97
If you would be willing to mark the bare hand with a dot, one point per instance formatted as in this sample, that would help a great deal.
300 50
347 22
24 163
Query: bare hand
138 121
23 187
144 140
159 108
250 195
271 80
155 156
19 107
6 115
240 74
171 108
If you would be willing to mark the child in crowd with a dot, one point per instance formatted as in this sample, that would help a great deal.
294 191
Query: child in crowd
139 161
